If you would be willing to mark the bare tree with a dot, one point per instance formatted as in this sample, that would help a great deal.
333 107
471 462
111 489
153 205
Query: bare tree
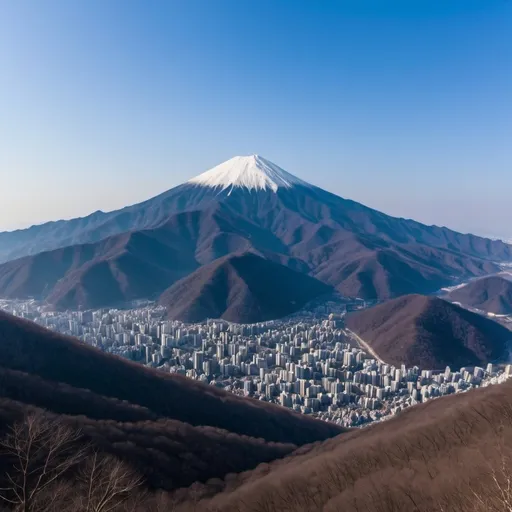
498 496
106 484
42 451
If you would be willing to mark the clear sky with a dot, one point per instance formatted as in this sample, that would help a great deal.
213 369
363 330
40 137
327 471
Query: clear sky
405 106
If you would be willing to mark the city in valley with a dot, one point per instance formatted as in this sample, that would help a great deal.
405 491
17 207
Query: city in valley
309 362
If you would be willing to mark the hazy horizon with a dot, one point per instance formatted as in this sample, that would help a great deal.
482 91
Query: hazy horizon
399 107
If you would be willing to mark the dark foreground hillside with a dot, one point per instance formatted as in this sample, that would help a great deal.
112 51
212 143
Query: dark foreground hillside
173 431
33 350
431 333
168 454
452 454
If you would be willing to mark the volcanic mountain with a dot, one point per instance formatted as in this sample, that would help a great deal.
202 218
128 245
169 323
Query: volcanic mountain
492 294
430 332
242 288
244 204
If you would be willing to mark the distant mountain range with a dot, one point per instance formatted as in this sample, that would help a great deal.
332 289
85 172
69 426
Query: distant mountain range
492 294
246 204
431 333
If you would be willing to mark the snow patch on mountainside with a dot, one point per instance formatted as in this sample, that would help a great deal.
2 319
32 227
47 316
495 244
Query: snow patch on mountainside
251 172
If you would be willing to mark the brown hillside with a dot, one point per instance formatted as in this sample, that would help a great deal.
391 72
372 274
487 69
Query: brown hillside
435 456
243 288
168 453
429 332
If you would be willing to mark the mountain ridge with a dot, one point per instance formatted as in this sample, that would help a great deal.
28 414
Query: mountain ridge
153 211
356 250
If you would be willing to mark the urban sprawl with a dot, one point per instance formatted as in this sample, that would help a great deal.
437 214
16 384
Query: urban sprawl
308 362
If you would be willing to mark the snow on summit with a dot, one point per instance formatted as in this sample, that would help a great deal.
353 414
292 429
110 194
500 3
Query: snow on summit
251 172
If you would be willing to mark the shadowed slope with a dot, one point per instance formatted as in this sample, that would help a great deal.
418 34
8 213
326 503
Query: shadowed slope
169 453
242 288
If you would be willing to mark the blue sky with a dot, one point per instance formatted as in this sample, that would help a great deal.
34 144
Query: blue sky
405 106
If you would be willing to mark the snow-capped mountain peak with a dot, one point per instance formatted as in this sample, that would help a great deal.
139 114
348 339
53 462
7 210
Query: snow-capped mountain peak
251 172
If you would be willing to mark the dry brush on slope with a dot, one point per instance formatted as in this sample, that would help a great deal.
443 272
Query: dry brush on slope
169 454
450 454
444 455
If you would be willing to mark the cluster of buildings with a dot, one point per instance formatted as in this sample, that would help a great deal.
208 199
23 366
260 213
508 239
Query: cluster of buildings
308 362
